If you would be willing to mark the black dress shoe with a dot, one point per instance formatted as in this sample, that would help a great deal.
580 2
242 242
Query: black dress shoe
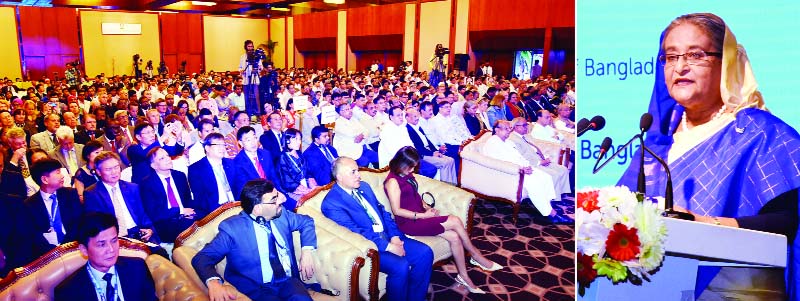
561 219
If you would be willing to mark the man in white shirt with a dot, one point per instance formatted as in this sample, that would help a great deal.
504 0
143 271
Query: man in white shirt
350 137
373 124
236 99
196 150
538 184
68 153
450 128
519 136
394 136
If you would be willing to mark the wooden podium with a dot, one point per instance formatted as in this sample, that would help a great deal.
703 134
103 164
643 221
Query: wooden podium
690 245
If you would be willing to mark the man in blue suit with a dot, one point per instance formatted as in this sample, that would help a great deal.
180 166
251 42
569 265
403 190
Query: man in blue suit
258 246
146 138
353 205
271 138
211 179
106 276
252 162
319 155
166 196
118 198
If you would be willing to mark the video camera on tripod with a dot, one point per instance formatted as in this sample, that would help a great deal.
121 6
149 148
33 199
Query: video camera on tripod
258 55
441 51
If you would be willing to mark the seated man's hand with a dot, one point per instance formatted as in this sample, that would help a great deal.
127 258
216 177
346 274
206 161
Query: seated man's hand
307 267
396 250
544 162
146 234
219 292
188 212
526 170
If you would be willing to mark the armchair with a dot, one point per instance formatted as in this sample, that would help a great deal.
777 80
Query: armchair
38 280
450 200
338 262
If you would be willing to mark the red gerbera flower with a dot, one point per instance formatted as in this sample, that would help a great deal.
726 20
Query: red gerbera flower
586 273
623 243
588 200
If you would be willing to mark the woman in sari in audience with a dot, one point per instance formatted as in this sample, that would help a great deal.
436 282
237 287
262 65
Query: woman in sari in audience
472 118
414 217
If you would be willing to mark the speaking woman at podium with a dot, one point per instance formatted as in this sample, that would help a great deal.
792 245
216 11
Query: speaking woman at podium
732 162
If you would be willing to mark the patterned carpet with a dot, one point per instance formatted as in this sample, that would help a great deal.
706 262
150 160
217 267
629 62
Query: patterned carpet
538 260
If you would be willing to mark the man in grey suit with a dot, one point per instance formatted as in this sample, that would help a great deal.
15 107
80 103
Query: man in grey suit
68 153
47 140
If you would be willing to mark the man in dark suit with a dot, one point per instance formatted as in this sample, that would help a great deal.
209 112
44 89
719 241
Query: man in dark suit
259 248
12 193
165 196
212 178
119 198
251 162
320 155
352 204
114 140
271 139
106 276
429 153
50 216
88 131
137 153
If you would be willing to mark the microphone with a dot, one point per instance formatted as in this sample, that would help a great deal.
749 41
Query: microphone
582 125
597 123
604 147
644 124
668 199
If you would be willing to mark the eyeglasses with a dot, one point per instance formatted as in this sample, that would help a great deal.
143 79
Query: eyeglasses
692 58
521 125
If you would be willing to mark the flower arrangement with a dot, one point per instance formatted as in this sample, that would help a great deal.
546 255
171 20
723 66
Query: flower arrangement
620 235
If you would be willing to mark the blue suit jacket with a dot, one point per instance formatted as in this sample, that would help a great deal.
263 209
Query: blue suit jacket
426 147
36 220
97 198
270 143
204 185
154 196
245 171
318 166
236 241
140 165
342 208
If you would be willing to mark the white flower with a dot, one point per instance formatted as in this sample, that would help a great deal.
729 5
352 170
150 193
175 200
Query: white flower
649 223
591 235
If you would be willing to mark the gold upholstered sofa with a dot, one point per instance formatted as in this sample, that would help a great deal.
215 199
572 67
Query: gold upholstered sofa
338 263
498 180
37 281
450 200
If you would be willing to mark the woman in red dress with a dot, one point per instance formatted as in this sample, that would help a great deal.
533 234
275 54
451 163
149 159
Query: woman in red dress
416 218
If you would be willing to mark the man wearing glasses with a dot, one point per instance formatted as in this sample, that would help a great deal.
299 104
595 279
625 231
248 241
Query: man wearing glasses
210 194
258 246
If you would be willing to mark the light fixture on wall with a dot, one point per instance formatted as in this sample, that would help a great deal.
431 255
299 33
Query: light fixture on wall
333 1
204 3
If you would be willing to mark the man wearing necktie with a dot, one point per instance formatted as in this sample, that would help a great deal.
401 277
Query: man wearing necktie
52 214
320 155
68 153
213 178
352 204
106 276
166 197
258 246
47 140
251 162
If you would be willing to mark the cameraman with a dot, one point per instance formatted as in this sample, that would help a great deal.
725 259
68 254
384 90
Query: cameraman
438 65
249 67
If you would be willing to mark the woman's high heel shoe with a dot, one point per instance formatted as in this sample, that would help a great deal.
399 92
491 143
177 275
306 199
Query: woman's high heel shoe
495 266
475 290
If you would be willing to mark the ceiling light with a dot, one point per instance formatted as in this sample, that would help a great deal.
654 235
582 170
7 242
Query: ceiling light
161 11
204 3
333 1
280 8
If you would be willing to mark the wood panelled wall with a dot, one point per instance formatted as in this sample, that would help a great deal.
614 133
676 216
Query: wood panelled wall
49 39
315 38
182 40
520 14
376 20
